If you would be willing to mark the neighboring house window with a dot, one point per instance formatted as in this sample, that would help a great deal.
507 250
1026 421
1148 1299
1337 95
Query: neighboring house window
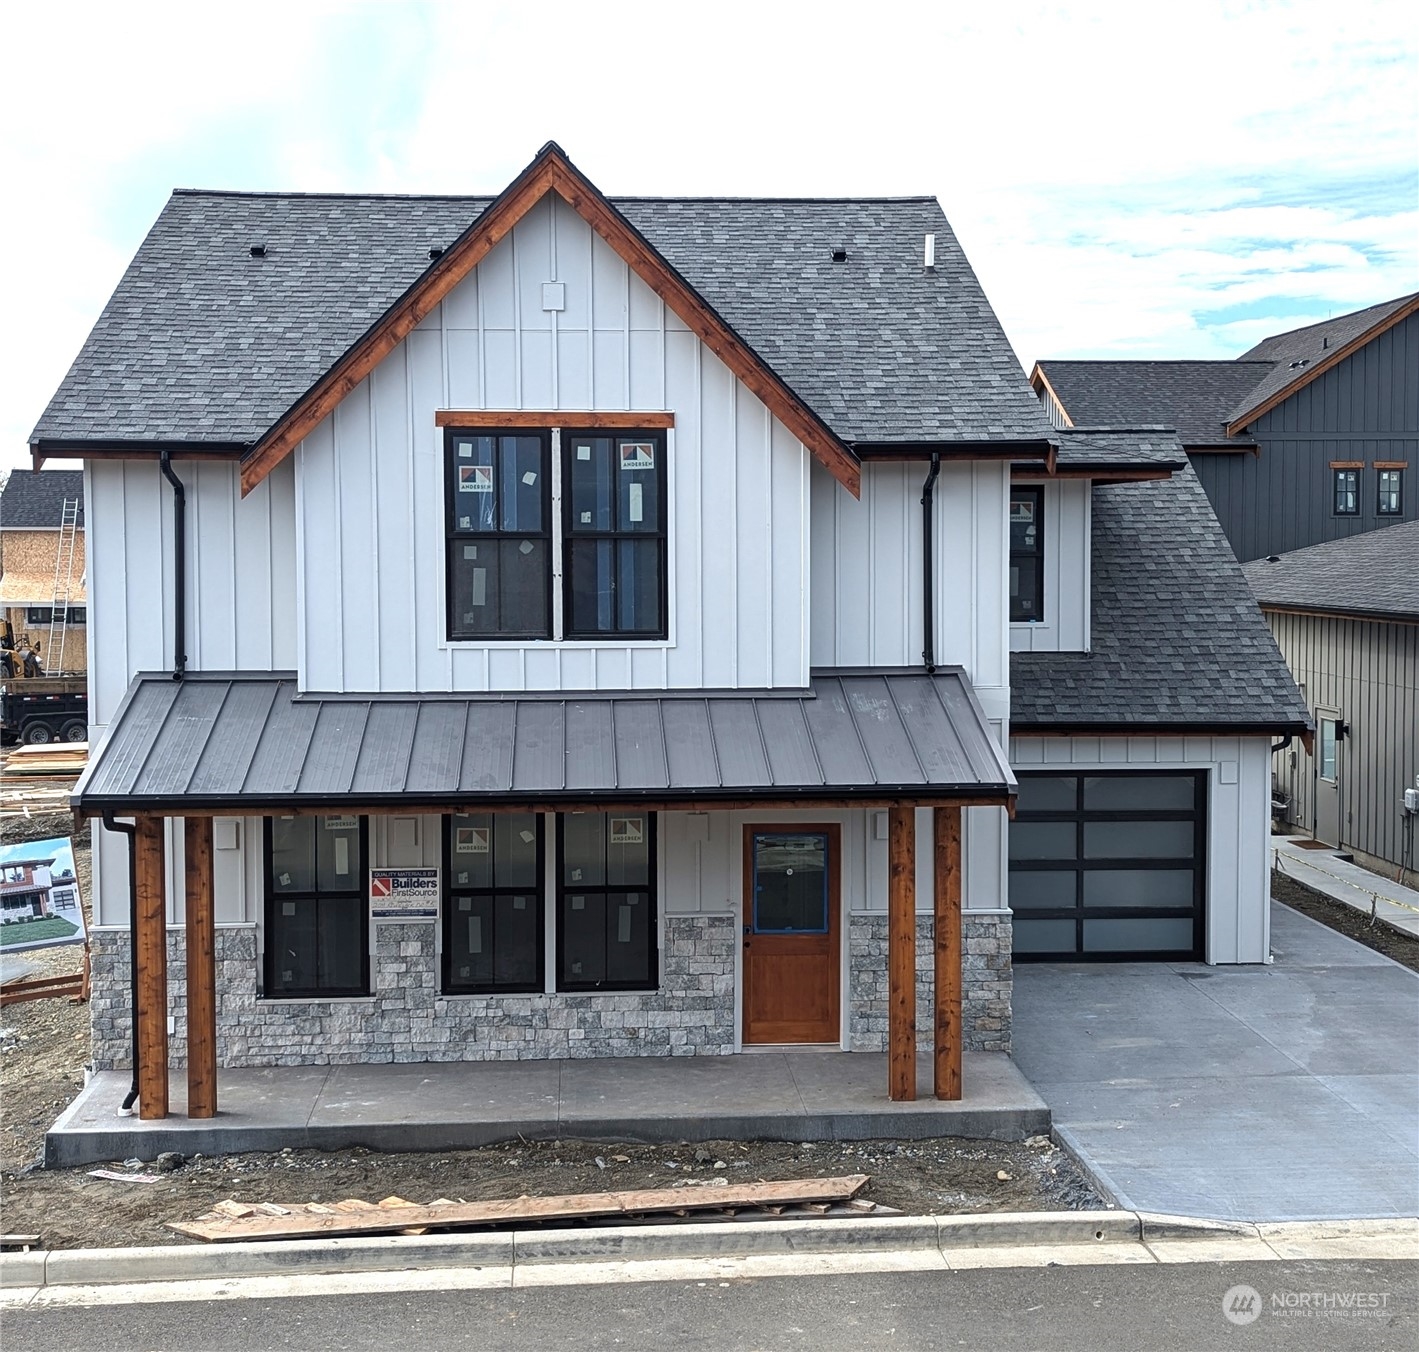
499 541
1347 492
511 577
493 907
317 909
1027 559
613 493
1391 502
606 926
45 615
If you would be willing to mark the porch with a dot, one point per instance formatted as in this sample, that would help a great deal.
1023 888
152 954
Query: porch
771 1095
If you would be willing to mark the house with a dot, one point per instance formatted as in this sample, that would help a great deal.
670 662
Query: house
1312 435
576 627
42 597
25 888
1346 616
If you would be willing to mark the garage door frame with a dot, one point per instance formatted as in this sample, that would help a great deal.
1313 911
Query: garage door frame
1080 816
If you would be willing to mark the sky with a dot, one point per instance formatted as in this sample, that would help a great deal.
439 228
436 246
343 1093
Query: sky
1129 180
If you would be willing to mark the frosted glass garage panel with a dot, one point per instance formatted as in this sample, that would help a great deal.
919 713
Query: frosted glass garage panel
1043 936
1048 793
1164 935
1137 887
1137 840
1045 887
1139 793
1043 840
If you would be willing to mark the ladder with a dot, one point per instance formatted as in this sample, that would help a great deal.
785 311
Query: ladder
63 586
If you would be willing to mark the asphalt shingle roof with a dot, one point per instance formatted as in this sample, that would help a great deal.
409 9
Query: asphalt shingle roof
1374 573
1177 637
1192 396
36 501
1119 448
1292 352
204 343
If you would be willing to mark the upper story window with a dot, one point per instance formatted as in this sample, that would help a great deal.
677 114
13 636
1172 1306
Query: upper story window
53 614
1027 557
542 545
1347 492
1391 493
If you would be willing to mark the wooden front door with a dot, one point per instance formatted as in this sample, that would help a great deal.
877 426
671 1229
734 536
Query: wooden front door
791 931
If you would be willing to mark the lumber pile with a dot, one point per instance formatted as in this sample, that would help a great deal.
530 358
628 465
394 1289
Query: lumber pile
232 1220
50 758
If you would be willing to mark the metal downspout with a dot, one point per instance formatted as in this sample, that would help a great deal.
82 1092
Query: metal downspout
928 554
179 549
132 833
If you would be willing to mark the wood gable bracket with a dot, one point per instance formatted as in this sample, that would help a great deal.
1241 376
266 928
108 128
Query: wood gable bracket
550 171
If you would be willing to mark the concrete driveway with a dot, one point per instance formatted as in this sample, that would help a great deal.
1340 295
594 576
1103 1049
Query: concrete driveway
1287 1092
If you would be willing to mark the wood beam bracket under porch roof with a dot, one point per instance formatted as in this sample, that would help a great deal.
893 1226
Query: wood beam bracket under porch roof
250 744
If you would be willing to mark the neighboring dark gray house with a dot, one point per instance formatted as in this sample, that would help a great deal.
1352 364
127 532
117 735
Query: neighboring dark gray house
1312 435
1346 615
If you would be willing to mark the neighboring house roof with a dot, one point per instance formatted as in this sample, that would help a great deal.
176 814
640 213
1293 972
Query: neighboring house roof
1177 640
204 345
1300 355
1109 451
1192 396
1372 574
36 501
242 741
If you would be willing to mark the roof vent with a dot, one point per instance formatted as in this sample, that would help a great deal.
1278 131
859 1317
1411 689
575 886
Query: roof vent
436 251
929 258
258 251
839 255
1273 558
1324 343
1304 361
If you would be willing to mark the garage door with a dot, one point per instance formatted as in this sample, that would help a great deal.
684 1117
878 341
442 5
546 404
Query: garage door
1108 866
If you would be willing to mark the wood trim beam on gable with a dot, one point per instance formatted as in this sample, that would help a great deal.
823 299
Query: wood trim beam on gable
635 420
1240 423
550 171
1038 378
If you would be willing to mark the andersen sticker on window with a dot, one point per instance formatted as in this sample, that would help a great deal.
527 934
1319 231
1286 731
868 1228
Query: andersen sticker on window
637 455
471 840
627 830
475 478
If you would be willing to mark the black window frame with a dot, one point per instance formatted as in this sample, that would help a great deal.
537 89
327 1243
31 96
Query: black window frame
451 892
45 614
359 893
1397 471
1079 864
651 980
573 531
1351 494
1020 558
456 536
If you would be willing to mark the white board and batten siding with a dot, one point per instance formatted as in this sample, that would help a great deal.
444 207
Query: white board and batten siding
1066 528
1238 862
371 483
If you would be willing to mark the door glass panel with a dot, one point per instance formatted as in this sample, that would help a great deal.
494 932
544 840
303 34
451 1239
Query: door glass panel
1043 888
1138 840
1047 793
1139 793
1042 840
791 884
1138 887
1044 936
1327 748
1136 936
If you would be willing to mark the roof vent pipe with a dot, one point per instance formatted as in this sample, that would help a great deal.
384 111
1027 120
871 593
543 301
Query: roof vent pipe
930 253
179 567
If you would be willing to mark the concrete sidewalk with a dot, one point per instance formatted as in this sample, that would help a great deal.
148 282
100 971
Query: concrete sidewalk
803 1096
1326 872
1284 1092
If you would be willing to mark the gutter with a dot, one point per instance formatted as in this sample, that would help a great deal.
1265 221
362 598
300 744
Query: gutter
179 549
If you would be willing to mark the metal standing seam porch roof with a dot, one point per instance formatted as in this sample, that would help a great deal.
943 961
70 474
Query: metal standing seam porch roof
235 743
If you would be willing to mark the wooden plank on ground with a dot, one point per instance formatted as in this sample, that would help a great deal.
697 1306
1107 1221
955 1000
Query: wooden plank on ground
366 1218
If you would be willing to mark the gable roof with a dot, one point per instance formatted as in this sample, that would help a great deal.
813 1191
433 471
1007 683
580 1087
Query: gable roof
1300 355
206 347
1114 452
1373 574
33 501
1191 396
1177 640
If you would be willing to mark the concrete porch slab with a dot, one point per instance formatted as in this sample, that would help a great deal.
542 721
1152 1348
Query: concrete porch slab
449 1106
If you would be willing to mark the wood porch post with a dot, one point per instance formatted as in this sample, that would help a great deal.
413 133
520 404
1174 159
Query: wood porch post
201 970
901 952
150 943
949 1034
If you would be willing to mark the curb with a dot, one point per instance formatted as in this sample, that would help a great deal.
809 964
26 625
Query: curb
384 1253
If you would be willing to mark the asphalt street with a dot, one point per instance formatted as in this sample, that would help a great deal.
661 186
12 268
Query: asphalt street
1332 1305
